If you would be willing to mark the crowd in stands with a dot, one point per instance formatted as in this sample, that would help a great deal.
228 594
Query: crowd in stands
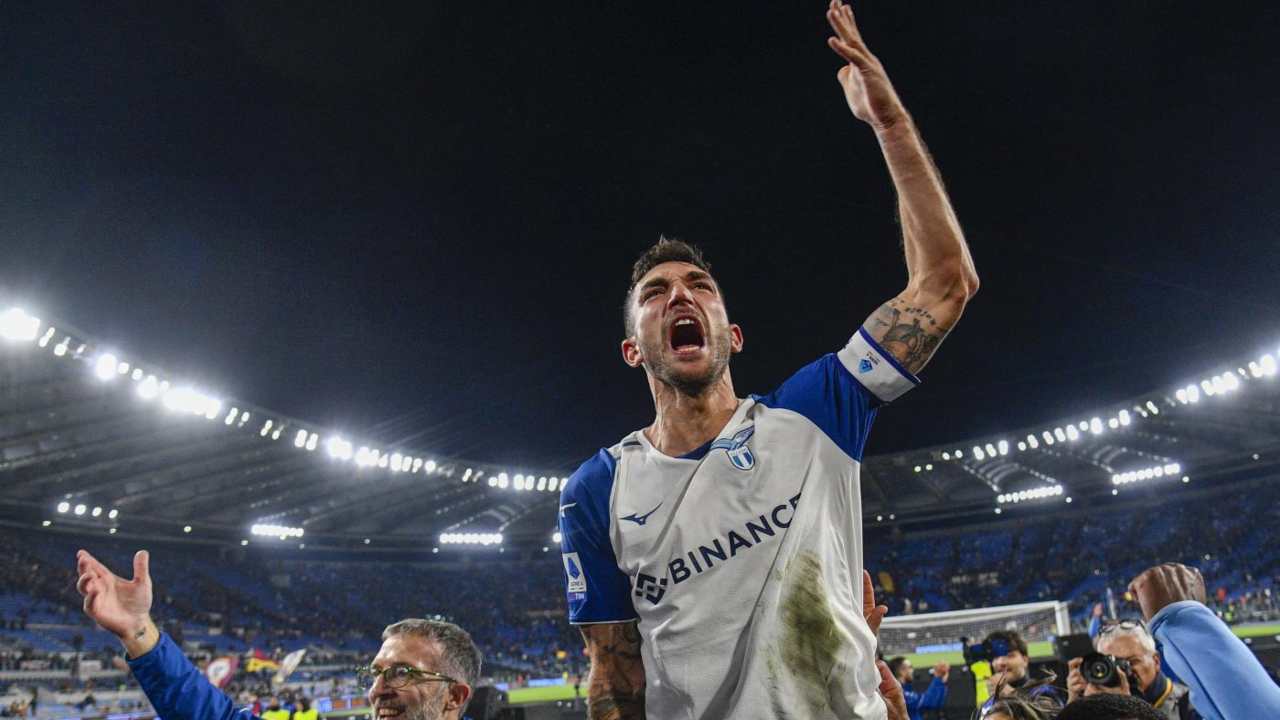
217 601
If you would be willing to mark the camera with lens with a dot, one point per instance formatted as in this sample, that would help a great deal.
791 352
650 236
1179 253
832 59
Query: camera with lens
984 651
1105 670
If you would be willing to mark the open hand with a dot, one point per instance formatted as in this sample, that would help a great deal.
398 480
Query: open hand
872 612
120 606
941 671
867 89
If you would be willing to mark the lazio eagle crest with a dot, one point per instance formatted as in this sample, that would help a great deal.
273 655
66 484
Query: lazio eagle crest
736 447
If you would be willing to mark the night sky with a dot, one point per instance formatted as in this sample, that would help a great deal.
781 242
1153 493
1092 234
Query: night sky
417 225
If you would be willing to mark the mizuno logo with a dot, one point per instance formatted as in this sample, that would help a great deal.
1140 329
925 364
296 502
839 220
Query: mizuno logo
566 507
641 519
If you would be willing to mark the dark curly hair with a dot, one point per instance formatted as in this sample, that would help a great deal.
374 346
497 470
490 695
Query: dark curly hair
664 251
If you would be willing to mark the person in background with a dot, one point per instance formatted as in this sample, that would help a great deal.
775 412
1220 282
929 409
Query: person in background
1225 679
425 669
932 698
305 711
1130 641
1009 667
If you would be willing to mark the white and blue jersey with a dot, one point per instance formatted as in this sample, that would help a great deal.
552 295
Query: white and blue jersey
742 560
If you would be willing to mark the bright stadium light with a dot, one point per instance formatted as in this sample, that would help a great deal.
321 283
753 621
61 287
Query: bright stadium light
1095 425
1031 494
231 416
1003 447
104 368
1147 473
186 528
338 448
300 440
312 442
281 531
493 481
95 512
46 523
556 537
149 388
1032 442
80 509
430 466
470 538
1060 434
502 481
977 453
417 465
16 325
64 506
1072 433
113 514
136 374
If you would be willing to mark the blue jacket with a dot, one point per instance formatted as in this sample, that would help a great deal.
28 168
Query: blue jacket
932 698
179 691
1226 680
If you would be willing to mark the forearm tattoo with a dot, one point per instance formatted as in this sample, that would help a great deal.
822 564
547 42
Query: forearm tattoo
616 688
909 333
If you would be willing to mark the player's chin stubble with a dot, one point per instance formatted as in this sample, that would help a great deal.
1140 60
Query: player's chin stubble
692 385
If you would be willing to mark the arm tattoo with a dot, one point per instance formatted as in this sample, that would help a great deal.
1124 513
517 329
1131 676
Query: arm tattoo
615 690
910 334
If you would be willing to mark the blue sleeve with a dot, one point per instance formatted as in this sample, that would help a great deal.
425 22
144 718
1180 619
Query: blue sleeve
839 392
177 690
598 590
1095 626
1225 678
934 696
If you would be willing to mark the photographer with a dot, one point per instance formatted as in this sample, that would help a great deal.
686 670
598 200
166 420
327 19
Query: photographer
1010 661
1129 643
1225 678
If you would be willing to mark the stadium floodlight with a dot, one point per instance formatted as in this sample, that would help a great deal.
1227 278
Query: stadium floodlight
46 523
502 480
338 448
991 450
80 509
61 348
1030 494
231 416
281 531
243 542
1003 447
122 368
111 531
300 440
1267 363
1095 425
556 537
186 528
18 326
104 368
47 337
977 453
64 506
244 418
430 466
417 464
96 511
1032 442
275 434
1022 446
1060 434
137 374
493 481
1155 410
397 461
1147 473
1113 423
1072 433
466 475
946 455
470 538
313 441
113 514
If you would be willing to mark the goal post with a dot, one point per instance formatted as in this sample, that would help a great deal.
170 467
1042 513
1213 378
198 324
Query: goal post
941 632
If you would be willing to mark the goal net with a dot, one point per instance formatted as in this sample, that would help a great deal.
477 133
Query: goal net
942 631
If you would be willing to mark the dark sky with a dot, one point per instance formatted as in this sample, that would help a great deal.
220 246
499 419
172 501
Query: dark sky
418 223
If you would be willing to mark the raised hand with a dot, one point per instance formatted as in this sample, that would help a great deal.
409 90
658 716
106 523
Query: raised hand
867 89
872 612
891 691
1164 584
120 606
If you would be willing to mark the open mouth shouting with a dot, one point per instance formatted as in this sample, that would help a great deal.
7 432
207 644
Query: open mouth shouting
686 336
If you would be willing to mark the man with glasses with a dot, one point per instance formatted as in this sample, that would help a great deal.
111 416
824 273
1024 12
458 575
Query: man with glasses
425 670
1130 641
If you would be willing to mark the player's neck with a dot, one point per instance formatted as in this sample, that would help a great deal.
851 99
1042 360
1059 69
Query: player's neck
684 423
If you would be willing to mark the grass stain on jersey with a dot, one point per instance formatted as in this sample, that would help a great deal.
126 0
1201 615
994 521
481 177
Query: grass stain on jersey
810 639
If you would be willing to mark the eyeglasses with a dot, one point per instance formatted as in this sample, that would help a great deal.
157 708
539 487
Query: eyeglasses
397 676
1113 625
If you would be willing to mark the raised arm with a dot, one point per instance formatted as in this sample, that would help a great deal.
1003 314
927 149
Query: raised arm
176 689
615 690
941 277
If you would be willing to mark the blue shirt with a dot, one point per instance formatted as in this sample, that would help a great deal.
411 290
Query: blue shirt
177 690
1200 651
932 698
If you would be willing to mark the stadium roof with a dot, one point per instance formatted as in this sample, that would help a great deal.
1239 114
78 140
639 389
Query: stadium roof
93 440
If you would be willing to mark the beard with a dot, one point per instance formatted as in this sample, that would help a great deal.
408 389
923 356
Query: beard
685 383
431 708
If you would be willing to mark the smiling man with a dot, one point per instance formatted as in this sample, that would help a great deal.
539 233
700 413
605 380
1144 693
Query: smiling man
425 670
714 558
